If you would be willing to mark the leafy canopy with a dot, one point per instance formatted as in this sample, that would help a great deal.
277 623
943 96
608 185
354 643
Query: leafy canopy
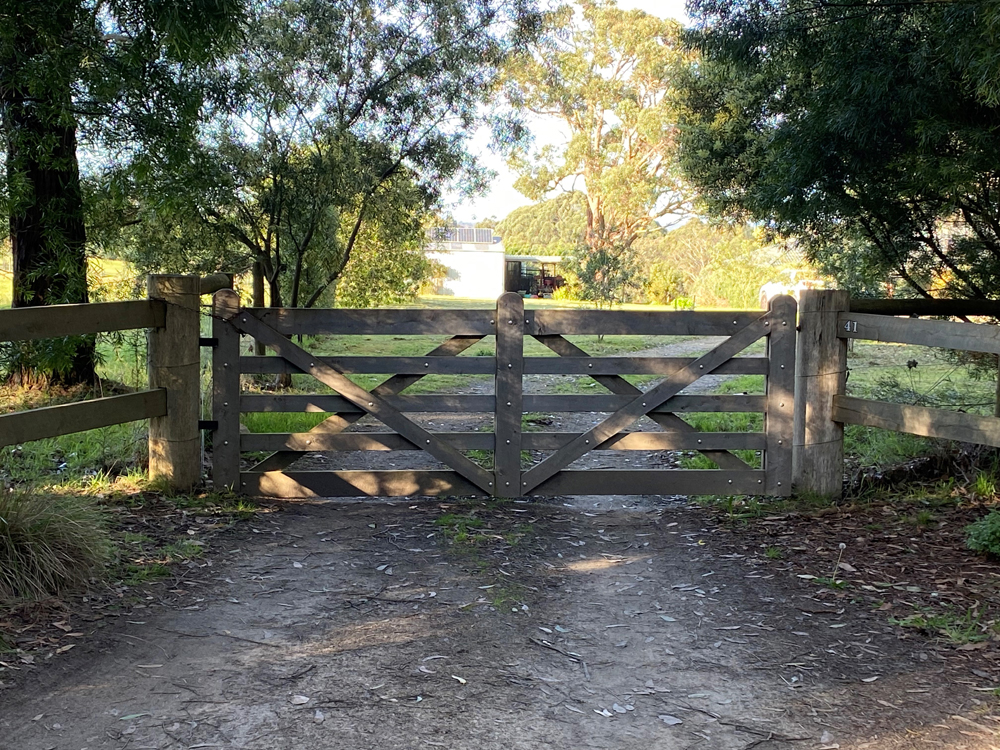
606 75
868 130
348 120
549 227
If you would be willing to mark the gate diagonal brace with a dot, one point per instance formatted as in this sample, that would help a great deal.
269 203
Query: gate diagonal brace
368 402
337 423
619 385
644 403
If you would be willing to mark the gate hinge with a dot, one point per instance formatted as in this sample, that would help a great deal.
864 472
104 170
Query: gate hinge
212 342
208 424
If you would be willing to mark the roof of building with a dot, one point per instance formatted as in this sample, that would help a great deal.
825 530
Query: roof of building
537 258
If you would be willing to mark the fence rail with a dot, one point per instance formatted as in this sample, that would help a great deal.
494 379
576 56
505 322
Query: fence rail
64 419
172 404
28 323
828 320
918 420
969 337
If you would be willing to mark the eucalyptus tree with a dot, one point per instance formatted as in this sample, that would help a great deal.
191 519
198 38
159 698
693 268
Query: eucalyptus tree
607 77
869 130
344 113
88 74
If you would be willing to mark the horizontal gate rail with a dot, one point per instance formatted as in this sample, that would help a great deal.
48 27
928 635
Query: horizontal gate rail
541 441
379 365
311 322
444 403
418 321
624 322
477 365
435 483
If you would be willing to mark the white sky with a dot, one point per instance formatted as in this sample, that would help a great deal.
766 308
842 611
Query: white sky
503 198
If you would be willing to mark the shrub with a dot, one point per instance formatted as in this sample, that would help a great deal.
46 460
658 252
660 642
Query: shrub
984 534
48 544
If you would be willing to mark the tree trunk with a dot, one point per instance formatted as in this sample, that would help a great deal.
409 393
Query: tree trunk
47 232
258 300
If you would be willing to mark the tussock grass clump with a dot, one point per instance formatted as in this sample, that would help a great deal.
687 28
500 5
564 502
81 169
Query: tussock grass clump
48 544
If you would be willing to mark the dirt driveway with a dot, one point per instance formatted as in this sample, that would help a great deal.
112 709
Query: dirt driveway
470 625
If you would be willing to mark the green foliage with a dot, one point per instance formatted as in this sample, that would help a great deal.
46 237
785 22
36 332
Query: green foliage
605 272
549 227
664 283
606 75
383 272
462 530
984 535
870 446
345 122
719 266
119 77
867 131
954 626
48 544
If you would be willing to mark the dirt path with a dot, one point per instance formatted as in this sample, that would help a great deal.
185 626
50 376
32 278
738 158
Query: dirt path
376 625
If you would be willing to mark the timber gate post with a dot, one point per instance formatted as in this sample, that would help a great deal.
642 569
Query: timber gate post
510 324
173 363
780 408
225 391
820 374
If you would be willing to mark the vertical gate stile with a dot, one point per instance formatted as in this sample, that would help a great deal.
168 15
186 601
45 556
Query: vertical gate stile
225 392
780 406
509 380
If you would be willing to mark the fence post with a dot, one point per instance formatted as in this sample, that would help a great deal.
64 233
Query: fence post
509 389
226 392
173 357
780 415
820 374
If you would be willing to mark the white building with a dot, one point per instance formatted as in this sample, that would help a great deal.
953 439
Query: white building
474 259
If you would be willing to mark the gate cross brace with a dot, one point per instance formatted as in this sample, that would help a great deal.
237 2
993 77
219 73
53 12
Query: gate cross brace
644 403
337 423
368 402
619 385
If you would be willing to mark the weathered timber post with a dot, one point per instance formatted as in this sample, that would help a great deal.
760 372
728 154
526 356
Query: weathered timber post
780 414
173 363
820 374
226 392
509 389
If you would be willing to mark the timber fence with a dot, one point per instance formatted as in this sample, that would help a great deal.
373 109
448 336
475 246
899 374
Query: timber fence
171 403
812 363
828 320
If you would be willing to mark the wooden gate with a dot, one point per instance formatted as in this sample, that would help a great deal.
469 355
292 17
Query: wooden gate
506 442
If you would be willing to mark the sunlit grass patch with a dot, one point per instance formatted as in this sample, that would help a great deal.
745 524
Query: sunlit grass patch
956 626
